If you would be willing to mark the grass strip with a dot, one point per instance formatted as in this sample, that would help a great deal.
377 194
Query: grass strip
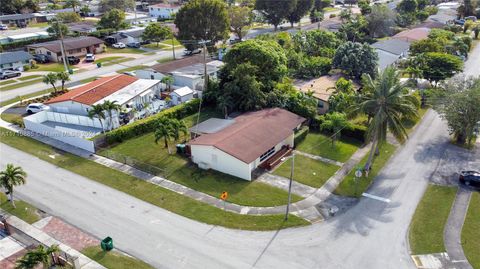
23 210
113 259
471 232
20 84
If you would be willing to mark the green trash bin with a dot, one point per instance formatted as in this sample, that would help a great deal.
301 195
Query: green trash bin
180 148
70 71
107 243
99 65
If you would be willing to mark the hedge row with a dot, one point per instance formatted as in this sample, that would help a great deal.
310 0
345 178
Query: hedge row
357 132
300 135
21 44
146 125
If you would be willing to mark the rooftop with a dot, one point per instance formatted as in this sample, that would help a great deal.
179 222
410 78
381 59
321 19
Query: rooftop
322 87
139 87
211 126
394 46
183 91
166 68
96 90
69 43
414 34
161 5
198 69
252 133
14 56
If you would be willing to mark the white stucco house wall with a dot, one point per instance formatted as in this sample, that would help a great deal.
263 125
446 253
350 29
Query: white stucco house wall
181 95
164 11
240 147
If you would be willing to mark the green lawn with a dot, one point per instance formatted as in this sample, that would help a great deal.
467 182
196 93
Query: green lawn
23 97
307 171
38 24
148 192
330 9
410 124
109 59
12 118
133 68
6 82
347 187
20 84
113 259
159 46
29 77
23 210
125 50
50 67
321 145
112 62
426 228
471 232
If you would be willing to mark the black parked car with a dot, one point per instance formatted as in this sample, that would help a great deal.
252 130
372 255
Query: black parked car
470 178
73 60
41 58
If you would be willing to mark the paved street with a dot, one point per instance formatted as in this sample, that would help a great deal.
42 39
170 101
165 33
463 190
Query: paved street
6 95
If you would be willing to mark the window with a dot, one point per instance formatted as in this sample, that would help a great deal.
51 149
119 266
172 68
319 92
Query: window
49 53
320 104
267 154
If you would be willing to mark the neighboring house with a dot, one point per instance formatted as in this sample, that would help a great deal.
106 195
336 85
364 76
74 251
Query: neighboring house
254 139
188 71
24 37
390 50
447 13
83 28
164 11
20 20
414 34
77 46
128 36
14 60
181 95
322 88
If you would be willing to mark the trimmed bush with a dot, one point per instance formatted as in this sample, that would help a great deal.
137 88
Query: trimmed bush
357 132
146 125
300 135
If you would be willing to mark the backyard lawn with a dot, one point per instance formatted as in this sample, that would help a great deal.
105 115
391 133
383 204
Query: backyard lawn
427 226
321 145
307 171
471 232
148 192
23 210
113 259
347 187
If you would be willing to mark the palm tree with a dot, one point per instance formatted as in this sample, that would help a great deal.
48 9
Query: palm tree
50 79
334 122
73 4
224 102
168 80
178 126
97 111
63 77
388 102
12 176
164 129
110 106
39 255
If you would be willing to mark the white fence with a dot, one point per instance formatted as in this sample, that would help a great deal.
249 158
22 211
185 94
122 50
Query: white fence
74 137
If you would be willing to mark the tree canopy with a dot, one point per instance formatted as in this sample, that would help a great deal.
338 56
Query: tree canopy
19 6
275 11
200 20
240 18
106 5
113 19
302 7
156 32
356 59
380 21
437 66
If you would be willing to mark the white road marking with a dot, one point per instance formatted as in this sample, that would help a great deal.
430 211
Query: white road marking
457 261
376 197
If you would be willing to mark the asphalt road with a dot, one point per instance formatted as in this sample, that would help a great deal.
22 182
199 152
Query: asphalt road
7 95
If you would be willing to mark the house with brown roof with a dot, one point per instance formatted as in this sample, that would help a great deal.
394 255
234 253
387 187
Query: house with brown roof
77 46
239 146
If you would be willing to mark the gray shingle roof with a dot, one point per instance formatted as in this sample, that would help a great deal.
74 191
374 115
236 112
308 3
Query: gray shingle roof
15 56
393 46
70 43
14 17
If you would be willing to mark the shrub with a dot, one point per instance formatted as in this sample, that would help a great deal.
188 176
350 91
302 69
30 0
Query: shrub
300 135
333 15
18 122
146 125
26 67
357 132
432 10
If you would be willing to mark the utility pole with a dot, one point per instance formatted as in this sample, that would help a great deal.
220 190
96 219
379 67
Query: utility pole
173 48
290 186
62 47
205 75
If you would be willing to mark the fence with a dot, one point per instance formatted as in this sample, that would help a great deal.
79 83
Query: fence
151 169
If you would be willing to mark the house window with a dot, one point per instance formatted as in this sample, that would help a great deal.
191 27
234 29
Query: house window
49 53
267 154
97 45
320 104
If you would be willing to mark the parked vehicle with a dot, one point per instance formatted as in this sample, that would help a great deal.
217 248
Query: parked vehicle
459 22
36 107
471 18
192 52
3 27
470 178
72 60
119 45
235 40
134 45
41 58
129 73
90 57
4 74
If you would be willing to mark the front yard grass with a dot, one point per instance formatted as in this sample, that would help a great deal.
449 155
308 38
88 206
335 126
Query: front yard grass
28 77
428 223
308 171
6 82
347 187
113 259
148 192
50 67
125 50
23 210
20 84
471 231
319 144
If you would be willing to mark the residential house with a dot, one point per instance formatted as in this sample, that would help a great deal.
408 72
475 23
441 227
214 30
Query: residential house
414 34
127 36
42 35
322 88
14 60
181 95
187 72
252 140
77 46
19 20
390 50
163 11
83 28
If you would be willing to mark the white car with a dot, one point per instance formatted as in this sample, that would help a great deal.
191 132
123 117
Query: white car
119 45
36 107
90 57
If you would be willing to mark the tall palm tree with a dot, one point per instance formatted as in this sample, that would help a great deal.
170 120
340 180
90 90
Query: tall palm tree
110 106
164 129
388 102
63 77
10 177
36 256
168 80
97 111
50 79
178 126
